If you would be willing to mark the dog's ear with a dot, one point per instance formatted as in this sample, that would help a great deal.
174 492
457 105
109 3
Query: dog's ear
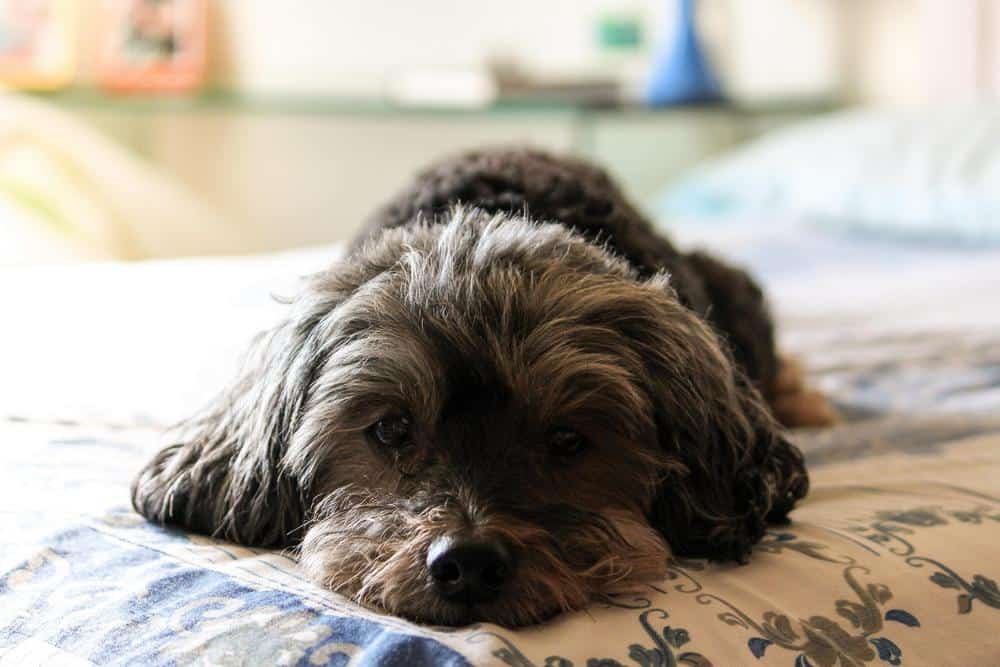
237 471
226 477
731 468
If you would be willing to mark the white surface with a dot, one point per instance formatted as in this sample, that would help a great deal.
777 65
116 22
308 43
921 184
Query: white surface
142 342
151 342
810 273
882 327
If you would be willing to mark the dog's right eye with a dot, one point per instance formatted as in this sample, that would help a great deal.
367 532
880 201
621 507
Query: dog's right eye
392 431
566 442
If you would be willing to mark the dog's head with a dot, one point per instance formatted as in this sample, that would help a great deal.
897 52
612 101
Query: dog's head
485 419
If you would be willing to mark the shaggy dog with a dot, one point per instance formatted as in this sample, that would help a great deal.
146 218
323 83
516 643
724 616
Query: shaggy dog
498 413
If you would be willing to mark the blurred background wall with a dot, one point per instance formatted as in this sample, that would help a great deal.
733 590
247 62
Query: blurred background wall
902 52
291 135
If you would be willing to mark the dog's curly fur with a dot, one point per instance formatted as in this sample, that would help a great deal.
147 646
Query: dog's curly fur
583 197
491 331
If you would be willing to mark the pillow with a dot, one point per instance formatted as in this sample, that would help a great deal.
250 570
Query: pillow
68 192
919 175
33 233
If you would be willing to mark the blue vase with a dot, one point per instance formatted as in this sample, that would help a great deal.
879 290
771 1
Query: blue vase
681 73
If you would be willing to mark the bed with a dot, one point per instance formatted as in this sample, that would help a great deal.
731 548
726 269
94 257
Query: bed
892 559
882 261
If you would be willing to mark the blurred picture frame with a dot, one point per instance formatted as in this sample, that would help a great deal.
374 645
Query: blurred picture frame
37 43
153 45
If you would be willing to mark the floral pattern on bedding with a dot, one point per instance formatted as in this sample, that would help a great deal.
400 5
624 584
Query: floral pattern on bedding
892 528
867 617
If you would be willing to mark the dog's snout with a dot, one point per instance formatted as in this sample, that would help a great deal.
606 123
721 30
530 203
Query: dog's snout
469 570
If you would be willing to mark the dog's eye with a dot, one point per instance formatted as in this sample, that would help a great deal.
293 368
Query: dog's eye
566 442
392 431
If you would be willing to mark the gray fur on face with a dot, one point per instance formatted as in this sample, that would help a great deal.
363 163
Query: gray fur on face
488 332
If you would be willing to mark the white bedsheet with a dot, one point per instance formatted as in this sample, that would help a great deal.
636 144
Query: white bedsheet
882 327
135 343
149 342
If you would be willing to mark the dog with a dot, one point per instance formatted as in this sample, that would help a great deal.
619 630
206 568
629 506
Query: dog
509 398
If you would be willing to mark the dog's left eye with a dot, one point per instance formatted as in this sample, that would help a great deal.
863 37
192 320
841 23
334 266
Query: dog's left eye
566 442
392 431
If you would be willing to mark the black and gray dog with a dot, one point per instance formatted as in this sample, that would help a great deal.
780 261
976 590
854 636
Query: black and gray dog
509 397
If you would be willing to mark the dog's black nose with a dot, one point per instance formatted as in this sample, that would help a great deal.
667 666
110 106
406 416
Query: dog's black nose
469 570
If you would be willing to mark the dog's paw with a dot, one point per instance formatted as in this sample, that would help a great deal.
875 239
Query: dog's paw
796 405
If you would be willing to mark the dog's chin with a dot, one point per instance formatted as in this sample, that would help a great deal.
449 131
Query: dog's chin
428 608
368 559
505 612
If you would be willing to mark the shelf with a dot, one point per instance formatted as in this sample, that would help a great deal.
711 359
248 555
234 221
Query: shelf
226 101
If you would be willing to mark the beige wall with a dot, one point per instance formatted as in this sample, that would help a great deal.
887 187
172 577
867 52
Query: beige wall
871 51
351 47
907 52
897 52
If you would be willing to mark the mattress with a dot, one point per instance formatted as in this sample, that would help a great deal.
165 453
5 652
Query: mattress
892 559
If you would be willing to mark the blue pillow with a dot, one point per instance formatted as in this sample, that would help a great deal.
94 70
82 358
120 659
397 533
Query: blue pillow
931 175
